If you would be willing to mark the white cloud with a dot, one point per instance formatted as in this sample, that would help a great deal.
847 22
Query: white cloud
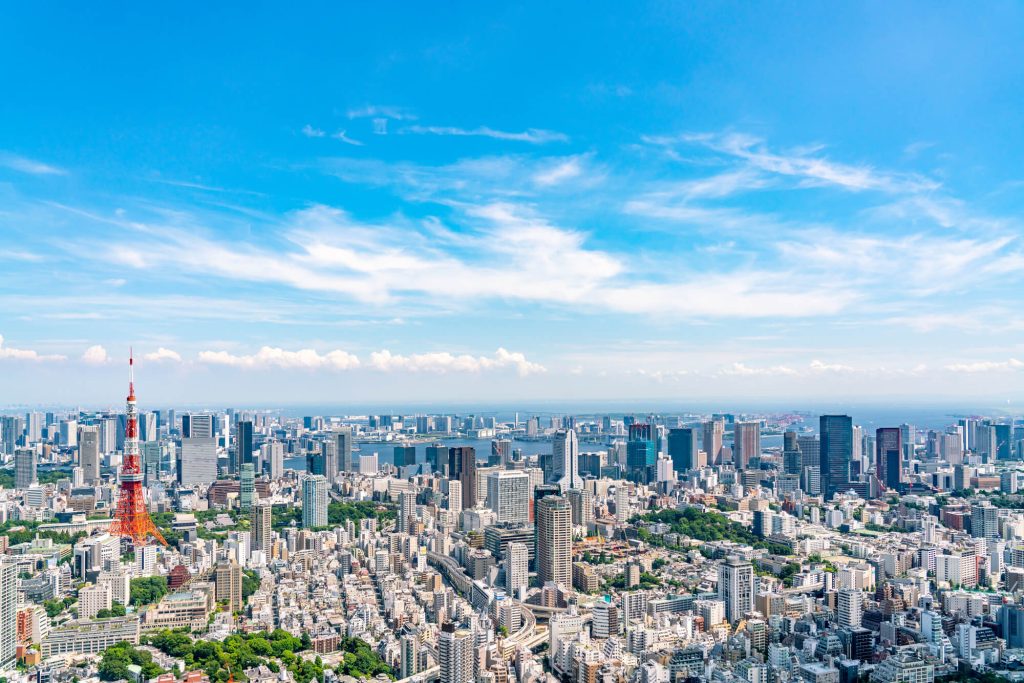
987 366
536 136
311 132
269 356
819 366
8 353
340 135
162 354
95 355
444 362
744 370
30 166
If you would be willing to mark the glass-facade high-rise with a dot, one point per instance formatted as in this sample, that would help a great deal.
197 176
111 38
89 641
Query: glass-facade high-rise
836 452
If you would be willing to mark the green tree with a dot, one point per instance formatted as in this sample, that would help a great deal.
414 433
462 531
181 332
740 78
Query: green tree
147 590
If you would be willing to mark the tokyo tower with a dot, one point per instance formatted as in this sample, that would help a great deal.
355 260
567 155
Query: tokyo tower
132 519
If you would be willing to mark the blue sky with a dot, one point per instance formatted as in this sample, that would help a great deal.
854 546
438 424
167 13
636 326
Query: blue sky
687 201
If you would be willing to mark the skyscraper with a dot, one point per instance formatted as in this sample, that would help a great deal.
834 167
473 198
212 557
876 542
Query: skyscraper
850 606
89 453
243 443
25 468
641 453
836 452
197 462
8 613
888 457
713 432
581 501
508 494
517 568
406 511
554 540
464 459
683 447
455 655
437 458
272 457
405 455
736 587
262 521
197 426
246 485
228 581
314 501
565 450
343 439
746 443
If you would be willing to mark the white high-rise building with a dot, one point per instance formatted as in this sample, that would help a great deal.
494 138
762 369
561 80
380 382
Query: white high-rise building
314 501
850 605
406 511
8 614
554 540
517 568
565 453
197 463
736 587
605 619
454 496
455 655
92 599
272 459
508 494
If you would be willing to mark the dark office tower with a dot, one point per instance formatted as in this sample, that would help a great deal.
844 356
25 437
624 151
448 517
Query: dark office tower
243 443
307 422
792 458
343 439
888 456
746 443
1003 441
682 448
465 458
836 452
316 463
437 457
329 452
641 455
405 455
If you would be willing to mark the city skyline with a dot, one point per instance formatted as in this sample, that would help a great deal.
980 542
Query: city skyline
673 212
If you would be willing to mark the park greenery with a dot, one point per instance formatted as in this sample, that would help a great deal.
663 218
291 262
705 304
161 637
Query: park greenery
275 649
705 526
116 659
146 590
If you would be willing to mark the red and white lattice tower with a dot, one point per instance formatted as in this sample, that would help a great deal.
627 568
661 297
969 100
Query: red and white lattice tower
132 517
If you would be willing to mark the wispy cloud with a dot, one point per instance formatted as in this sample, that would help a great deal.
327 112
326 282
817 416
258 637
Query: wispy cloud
30 166
341 135
311 132
804 164
9 353
444 362
534 136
